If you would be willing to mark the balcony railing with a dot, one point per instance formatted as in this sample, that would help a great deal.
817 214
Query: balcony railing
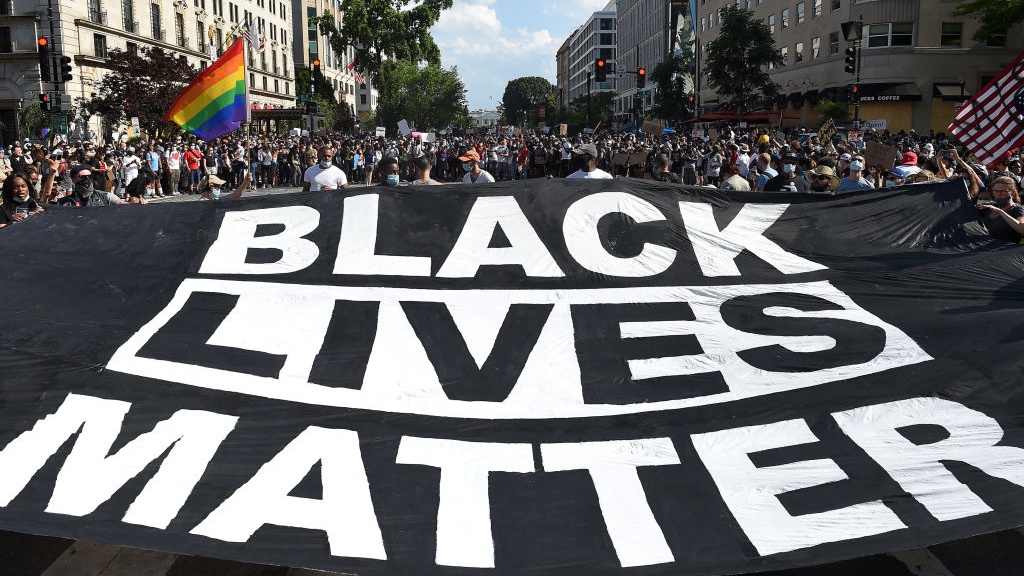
131 26
160 34
98 16
183 41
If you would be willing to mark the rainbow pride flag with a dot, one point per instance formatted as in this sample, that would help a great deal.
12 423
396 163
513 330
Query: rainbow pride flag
216 102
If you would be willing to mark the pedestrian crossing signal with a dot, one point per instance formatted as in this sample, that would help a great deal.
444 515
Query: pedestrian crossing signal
44 102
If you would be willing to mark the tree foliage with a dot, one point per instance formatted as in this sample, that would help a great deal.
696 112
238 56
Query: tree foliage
837 111
335 114
523 97
144 84
673 79
428 96
996 16
737 61
385 30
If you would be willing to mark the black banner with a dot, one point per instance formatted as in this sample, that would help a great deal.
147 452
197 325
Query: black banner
553 377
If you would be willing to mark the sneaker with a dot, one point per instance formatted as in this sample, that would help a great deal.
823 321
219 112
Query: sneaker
159 194
175 193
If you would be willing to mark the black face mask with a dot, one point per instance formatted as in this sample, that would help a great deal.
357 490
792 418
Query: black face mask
84 187
1002 202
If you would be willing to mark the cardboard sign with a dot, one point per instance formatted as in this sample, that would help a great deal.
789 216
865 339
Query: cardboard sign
878 154
653 128
827 131
381 131
403 127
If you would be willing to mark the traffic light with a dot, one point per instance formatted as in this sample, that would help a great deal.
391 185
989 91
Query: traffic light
44 102
854 93
641 78
44 59
65 68
600 70
851 60
313 76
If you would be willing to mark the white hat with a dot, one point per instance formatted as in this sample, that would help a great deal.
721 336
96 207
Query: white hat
929 147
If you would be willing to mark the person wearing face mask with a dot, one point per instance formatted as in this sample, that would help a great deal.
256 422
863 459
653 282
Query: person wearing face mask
212 188
856 179
787 181
471 166
1003 216
83 193
896 177
324 175
388 172
17 205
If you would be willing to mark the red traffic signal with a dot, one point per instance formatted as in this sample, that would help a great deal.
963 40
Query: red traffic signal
44 59
65 68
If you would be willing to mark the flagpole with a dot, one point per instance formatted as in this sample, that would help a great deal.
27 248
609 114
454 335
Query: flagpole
248 115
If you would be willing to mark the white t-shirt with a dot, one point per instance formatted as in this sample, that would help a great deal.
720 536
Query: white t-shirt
173 159
483 178
318 177
595 173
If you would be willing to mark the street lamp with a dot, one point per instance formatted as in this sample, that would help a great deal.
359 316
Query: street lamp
853 32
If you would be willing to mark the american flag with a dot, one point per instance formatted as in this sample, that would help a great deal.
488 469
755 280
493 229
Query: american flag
991 124
246 33
358 77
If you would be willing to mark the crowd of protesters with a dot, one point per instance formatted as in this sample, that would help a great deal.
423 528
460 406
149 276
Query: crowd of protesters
86 173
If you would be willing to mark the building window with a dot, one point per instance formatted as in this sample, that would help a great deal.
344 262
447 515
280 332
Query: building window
201 36
952 34
5 40
902 34
996 41
362 99
287 87
785 56
835 5
816 9
264 82
833 43
128 16
99 45
771 23
220 41
179 29
891 34
157 32
277 86
815 47
798 53
132 48
785 18
703 23
800 13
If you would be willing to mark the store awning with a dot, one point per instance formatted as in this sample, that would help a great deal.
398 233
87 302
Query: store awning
949 91
890 92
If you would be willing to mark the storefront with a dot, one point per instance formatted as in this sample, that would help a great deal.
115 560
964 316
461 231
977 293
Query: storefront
892 101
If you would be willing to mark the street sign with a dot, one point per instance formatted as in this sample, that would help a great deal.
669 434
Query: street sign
645 92
303 97
60 124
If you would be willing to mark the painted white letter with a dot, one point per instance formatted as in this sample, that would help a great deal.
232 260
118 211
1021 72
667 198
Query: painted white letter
919 469
90 476
750 492
345 513
238 234
634 531
584 242
464 512
471 250
358 244
716 249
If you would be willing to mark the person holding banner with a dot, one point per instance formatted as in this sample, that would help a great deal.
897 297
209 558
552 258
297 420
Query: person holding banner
586 156
471 165
1003 216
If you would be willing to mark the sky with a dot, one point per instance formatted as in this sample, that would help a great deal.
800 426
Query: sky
494 41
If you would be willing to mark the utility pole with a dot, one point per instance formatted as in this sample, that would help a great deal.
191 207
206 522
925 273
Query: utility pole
588 97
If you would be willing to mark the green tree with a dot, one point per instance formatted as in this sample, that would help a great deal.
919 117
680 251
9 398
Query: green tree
143 84
673 80
384 30
523 97
427 96
33 118
336 114
996 16
837 111
737 61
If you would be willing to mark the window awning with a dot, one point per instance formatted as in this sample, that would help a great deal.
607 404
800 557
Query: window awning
890 92
949 91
